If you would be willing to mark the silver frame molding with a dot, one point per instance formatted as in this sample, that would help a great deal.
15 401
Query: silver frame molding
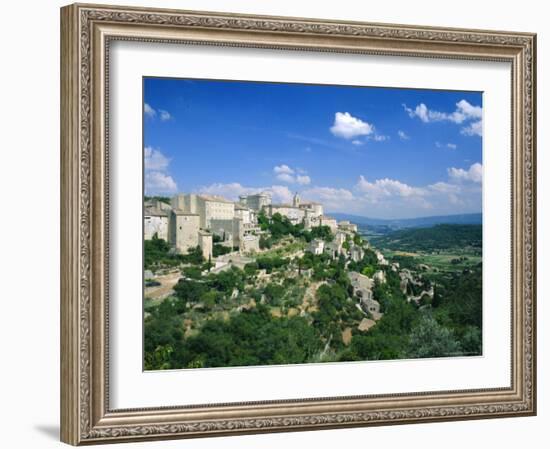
86 32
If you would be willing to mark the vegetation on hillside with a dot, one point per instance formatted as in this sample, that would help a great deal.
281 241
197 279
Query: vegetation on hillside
162 199
261 314
157 253
439 237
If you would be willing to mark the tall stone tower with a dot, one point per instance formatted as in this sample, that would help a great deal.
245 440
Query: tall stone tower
184 231
296 200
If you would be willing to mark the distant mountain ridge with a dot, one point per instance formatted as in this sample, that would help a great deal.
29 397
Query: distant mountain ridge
420 222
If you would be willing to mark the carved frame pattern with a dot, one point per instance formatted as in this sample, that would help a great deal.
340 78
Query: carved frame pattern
85 414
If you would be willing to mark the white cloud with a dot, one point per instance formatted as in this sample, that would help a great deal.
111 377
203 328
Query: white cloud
232 191
149 111
333 199
386 187
291 175
461 193
421 111
473 174
357 142
155 160
402 135
464 112
285 177
165 115
157 182
349 127
452 146
283 169
280 194
303 179
380 138
385 197
473 129
444 187
468 110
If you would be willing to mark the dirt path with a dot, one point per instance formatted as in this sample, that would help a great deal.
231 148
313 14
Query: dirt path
309 303
165 288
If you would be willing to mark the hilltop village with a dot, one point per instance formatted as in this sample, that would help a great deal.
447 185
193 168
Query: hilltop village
197 219
212 259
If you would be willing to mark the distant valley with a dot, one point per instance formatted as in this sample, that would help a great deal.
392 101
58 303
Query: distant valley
379 226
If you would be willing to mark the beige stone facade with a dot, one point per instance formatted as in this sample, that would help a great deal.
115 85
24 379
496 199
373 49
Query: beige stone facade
208 207
257 201
294 214
250 243
331 222
316 246
184 231
347 226
205 242
246 214
155 221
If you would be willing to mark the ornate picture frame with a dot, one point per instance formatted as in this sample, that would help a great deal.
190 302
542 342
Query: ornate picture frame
87 31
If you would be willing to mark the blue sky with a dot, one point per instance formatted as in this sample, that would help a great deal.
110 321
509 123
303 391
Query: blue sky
377 152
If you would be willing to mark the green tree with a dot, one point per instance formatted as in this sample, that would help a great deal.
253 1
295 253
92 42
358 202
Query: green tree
430 339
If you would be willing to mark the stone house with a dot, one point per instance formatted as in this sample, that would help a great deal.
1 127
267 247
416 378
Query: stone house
155 221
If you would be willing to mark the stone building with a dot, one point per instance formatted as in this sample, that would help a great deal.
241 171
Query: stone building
313 208
213 207
294 214
316 246
205 242
331 222
362 285
155 203
356 253
228 229
256 201
372 306
334 249
250 243
208 207
347 226
243 235
185 203
155 221
381 259
184 230
340 237
246 214
380 276
309 213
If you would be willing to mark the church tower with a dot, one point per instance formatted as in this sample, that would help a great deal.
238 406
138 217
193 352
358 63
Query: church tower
296 200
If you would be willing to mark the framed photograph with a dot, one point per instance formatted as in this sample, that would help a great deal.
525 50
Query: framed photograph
278 224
